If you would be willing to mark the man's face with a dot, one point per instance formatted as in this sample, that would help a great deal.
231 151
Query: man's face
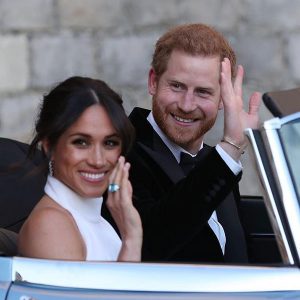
186 98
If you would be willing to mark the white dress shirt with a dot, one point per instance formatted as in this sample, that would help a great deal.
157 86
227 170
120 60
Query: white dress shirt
232 164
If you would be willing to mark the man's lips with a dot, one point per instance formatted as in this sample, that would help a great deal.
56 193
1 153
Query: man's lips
183 120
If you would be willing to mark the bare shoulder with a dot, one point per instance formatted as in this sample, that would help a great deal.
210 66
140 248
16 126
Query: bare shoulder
51 232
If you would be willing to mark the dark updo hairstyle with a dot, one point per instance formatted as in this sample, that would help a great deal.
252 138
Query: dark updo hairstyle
68 100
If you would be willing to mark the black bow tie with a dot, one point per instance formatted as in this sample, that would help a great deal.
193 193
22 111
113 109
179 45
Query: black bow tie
187 162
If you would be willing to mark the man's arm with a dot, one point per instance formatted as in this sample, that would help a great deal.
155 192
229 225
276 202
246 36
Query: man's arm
173 214
236 119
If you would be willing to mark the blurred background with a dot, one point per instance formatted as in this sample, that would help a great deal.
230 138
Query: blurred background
45 41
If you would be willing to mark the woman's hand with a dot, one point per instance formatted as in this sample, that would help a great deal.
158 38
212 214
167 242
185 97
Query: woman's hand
236 119
124 213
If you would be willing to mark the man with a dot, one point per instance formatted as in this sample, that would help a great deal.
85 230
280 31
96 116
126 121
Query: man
182 214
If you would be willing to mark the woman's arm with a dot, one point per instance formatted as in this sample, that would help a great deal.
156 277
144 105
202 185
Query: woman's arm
51 233
124 213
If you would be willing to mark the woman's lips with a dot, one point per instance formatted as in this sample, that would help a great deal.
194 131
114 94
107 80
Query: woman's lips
92 176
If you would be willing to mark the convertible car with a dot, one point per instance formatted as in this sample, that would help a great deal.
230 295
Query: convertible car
272 225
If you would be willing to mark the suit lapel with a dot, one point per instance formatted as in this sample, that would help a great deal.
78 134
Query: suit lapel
152 144
165 160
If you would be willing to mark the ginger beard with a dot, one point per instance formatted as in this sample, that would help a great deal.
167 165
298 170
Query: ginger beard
188 137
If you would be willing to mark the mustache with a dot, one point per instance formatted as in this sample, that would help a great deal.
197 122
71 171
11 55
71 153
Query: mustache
184 115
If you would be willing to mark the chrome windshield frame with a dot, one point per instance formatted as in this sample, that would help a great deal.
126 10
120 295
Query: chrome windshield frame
290 249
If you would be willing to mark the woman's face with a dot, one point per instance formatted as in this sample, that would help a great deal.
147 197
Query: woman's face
87 152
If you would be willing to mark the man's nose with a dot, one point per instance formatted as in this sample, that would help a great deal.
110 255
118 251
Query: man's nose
187 103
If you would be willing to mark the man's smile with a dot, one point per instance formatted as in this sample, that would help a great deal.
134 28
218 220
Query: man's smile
183 120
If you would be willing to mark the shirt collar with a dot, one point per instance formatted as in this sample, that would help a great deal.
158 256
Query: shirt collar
174 148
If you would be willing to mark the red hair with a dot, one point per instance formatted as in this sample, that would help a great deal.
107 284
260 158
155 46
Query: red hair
193 39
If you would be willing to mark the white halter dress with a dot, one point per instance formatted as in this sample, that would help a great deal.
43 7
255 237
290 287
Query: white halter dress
101 240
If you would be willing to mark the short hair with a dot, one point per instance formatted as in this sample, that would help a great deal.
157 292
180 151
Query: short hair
68 100
193 39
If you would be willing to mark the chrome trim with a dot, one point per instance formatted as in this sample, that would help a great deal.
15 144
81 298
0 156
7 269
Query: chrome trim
276 123
289 196
275 219
290 118
156 277
5 268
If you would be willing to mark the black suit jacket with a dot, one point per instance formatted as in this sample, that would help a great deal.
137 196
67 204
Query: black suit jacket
175 209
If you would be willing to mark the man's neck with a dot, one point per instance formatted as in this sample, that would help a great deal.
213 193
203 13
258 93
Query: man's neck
174 148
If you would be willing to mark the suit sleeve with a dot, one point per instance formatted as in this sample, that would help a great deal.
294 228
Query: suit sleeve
171 213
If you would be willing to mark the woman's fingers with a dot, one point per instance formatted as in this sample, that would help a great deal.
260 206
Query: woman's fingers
126 191
117 172
124 213
113 174
119 177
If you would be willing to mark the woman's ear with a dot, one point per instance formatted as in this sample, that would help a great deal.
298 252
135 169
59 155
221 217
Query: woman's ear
152 82
46 148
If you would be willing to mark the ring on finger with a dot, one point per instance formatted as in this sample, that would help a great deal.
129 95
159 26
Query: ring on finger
113 187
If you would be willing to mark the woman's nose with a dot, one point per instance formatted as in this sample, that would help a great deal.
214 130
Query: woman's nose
96 157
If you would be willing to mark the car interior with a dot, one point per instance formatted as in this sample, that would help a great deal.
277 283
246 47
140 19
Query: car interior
21 190
21 180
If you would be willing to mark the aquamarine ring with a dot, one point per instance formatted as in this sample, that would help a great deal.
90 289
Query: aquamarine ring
113 187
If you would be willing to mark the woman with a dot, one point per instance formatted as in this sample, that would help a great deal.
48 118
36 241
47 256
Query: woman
84 132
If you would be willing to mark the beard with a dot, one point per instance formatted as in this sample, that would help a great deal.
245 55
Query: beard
185 137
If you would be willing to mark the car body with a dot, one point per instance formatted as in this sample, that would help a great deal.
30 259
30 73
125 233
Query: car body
273 275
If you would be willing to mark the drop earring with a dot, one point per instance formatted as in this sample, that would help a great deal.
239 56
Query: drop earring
51 167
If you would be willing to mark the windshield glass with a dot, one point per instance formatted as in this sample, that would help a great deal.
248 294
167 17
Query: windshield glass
290 136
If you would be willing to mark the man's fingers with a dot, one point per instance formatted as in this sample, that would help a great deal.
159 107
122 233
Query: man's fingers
254 103
227 91
238 82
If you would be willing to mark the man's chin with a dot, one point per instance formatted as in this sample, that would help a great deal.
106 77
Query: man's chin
185 142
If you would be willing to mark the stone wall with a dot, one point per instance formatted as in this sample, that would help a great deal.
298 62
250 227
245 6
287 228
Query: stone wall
44 41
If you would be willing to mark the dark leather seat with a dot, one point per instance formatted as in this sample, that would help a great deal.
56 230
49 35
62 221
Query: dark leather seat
21 183
8 242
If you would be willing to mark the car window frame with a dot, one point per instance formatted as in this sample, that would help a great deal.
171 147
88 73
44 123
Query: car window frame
280 193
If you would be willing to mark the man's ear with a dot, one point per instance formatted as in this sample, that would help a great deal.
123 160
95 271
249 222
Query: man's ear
152 82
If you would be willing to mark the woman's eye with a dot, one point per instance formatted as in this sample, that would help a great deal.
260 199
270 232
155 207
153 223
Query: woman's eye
80 142
112 143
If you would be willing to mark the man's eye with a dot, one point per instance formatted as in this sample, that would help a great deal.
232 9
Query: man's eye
176 86
203 93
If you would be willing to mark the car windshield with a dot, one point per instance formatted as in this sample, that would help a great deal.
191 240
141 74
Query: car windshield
290 138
